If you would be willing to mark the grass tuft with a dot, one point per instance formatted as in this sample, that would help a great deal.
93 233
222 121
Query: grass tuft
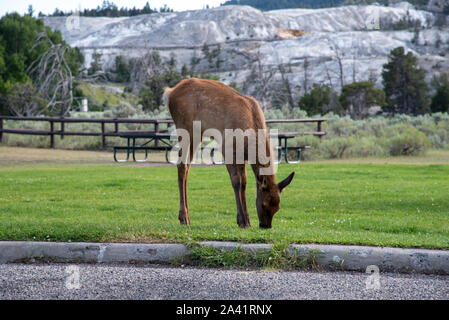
278 258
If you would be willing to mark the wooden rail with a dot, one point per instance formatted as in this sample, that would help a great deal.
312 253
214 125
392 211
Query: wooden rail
116 132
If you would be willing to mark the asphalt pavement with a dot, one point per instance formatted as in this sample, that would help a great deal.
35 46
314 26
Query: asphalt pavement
109 281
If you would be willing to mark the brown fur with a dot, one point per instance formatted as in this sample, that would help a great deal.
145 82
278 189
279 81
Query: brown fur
221 107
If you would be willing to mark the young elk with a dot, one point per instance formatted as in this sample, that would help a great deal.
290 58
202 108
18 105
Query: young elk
218 107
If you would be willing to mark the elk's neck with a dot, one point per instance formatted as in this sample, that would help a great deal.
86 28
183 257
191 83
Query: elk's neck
261 169
269 178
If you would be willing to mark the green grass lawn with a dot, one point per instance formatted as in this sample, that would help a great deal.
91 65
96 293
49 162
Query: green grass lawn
370 204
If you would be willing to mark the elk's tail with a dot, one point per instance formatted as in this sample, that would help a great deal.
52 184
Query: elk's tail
166 96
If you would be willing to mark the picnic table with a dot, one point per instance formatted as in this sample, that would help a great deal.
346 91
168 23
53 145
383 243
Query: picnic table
283 147
150 136
162 143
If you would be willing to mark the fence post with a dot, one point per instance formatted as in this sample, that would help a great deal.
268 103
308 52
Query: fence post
62 128
1 130
319 129
52 134
115 126
103 137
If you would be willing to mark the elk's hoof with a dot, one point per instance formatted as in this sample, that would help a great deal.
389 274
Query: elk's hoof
184 221
244 225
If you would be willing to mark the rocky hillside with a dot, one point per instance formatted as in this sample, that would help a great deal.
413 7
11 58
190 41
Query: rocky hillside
344 43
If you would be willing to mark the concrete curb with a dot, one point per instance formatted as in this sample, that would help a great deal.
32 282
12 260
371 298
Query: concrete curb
354 258
386 259
23 251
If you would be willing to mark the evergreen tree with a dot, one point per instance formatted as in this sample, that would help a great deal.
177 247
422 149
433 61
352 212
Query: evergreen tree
317 100
110 9
184 71
356 98
30 10
95 65
121 69
440 101
405 88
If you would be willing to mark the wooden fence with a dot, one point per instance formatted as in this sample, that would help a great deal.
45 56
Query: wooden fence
57 126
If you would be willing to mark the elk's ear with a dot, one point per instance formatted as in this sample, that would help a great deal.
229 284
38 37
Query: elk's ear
286 181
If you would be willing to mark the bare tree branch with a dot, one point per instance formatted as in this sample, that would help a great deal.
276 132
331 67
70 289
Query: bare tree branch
306 75
287 86
338 55
261 78
53 75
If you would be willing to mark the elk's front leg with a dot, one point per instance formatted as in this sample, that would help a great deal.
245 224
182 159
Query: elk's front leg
183 171
237 173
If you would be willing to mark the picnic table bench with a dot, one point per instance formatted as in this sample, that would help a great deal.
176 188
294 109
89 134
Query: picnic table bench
283 147
162 142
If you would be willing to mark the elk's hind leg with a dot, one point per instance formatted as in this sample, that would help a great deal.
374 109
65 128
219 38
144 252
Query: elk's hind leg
237 173
183 172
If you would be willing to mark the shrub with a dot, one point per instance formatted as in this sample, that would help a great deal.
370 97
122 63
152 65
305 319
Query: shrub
24 100
124 110
341 126
409 142
335 148
366 147
308 140
375 127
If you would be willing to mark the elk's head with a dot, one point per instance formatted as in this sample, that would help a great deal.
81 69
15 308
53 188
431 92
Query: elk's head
269 199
